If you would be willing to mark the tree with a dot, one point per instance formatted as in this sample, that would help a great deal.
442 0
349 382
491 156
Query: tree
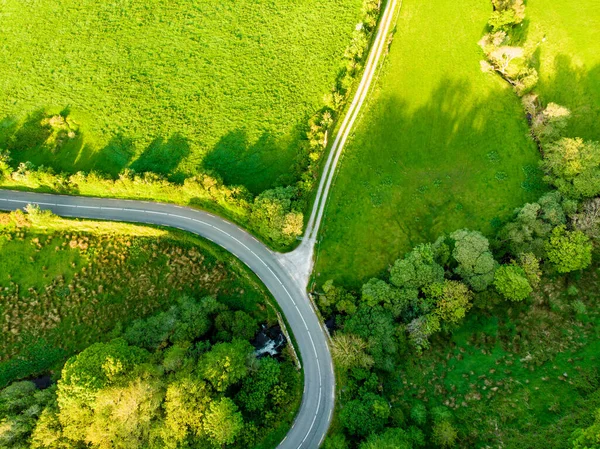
549 124
569 250
376 326
256 388
452 300
417 269
528 231
531 266
444 434
223 422
349 351
511 282
226 363
420 329
124 415
418 413
185 405
84 376
573 166
366 415
476 264
393 438
236 324
274 216
21 403
336 298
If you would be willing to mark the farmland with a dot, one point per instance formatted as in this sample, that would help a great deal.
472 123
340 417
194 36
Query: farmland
441 146
167 88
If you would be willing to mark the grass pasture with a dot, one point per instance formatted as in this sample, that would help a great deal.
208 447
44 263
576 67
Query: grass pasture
440 146
66 284
567 37
168 87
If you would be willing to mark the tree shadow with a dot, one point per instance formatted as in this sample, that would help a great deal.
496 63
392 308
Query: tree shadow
257 166
578 89
162 156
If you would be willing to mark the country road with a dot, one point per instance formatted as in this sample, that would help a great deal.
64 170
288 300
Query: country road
312 421
285 275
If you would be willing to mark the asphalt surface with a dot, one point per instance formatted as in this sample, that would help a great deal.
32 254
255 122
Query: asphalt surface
312 422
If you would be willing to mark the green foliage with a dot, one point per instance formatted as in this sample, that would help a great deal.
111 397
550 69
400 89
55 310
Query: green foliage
421 328
364 416
452 300
417 269
418 413
273 216
21 404
572 165
376 326
223 421
568 250
336 298
476 264
226 363
350 351
257 387
444 434
237 323
390 439
511 281
529 230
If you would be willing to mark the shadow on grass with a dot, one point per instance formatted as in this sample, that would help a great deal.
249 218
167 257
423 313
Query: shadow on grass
258 166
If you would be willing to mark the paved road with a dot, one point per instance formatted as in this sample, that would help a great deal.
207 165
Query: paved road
312 421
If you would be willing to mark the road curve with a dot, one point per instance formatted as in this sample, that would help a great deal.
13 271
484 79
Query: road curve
312 422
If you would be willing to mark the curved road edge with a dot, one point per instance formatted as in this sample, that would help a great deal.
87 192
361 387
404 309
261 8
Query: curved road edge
312 421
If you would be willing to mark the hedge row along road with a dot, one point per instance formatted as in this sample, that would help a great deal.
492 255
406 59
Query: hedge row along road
286 281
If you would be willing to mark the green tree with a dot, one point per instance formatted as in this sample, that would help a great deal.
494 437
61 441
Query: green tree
569 250
421 328
185 405
452 300
226 363
350 351
21 403
511 282
573 166
376 326
444 434
236 324
476 264
417 269
531 266
257 387
366 415
223 422
274 216
393 438
336 298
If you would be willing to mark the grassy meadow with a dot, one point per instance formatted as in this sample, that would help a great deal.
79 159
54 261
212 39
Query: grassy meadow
440 146
66 284
169 87
566 36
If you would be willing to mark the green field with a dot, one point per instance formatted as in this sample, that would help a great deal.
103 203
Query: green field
169 87
567 36
441 146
